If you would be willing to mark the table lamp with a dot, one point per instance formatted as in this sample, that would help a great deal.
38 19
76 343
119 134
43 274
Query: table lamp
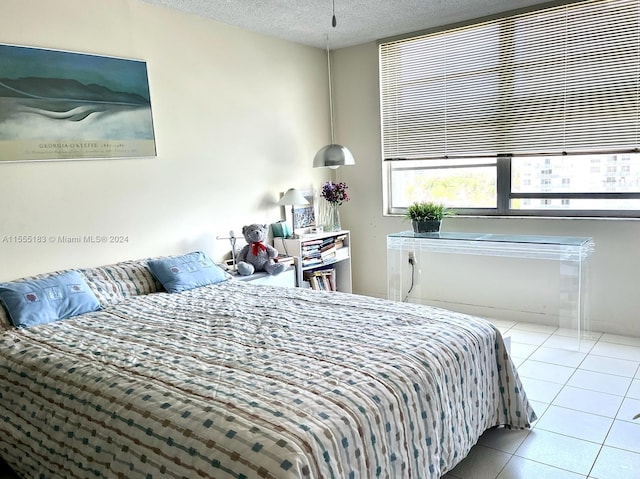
293 197
232 239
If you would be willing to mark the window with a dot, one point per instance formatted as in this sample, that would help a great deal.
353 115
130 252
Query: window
531 113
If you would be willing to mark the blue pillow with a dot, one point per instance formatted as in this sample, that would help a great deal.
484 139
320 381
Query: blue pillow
185 272
40 301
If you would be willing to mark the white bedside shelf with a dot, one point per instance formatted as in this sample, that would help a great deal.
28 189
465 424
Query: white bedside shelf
340 263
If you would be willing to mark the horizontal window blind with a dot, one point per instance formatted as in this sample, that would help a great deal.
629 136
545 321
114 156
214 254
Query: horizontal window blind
564 80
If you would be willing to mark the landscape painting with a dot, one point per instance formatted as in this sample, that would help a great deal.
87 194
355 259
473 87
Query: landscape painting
58 105
304 216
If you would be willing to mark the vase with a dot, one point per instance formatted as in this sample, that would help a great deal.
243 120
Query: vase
331 217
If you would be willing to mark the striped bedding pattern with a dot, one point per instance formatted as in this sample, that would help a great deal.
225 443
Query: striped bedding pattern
238 380
111 284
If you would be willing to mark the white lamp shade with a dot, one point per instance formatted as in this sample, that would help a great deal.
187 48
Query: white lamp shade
333 156
292 197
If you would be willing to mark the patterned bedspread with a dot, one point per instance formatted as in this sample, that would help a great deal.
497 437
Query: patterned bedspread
243 381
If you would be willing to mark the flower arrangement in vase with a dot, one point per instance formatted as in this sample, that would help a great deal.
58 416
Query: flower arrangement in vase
334 194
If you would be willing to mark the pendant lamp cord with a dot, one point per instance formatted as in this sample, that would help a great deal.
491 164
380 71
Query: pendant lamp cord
330 92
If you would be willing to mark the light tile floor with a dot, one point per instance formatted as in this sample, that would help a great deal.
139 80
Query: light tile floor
585 394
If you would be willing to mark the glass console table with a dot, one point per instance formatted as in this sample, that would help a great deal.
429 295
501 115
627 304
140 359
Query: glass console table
572 252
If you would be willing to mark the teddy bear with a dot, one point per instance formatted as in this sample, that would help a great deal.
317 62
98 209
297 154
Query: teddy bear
256 255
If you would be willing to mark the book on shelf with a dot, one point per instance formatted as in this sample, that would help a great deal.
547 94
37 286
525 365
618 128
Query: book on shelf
321 279
311 242
284 259
328 257
307 261
339 241
328 247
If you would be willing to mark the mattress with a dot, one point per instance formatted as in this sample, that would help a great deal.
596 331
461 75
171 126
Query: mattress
236 380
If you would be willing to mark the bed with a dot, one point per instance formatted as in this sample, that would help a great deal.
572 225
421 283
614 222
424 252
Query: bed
235 380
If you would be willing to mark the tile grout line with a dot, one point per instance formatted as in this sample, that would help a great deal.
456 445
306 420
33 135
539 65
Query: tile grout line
575 370
564 384
587 354
595 461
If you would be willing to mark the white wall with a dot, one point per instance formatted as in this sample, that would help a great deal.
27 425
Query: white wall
238 117
615 284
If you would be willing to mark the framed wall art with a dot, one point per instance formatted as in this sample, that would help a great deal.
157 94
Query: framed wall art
58 105
304 216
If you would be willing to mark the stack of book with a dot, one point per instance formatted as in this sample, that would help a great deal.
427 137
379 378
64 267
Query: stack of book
328 250
319 251
311 255
321 279
284 259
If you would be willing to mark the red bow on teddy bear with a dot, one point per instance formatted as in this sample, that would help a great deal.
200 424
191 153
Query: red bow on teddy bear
256 247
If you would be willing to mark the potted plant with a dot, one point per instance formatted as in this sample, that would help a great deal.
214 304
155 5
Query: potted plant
426 216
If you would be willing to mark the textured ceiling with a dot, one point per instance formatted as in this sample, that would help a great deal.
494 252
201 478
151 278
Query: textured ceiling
359 21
